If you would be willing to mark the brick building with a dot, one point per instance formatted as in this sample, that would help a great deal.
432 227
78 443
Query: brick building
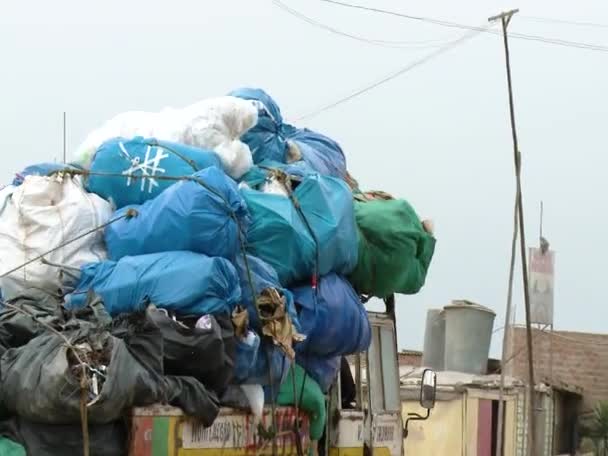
411 358
570 359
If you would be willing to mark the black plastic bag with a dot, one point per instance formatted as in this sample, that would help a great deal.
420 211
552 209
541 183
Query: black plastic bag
235 398
17 328
145 335
39 382
205 353
193 398
66 439
143 339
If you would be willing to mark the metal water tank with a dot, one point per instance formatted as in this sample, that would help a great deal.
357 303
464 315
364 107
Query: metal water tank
434 340
468 333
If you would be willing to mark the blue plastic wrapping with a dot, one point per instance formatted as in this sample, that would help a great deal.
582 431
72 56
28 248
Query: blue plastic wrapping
321 153
259 374
186 216
258 174
263 276
269 138
333 319
246 356
279 236
148 159
39 169
265 139
185 282
321 369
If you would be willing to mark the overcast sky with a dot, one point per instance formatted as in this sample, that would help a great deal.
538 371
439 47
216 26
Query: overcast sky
438 136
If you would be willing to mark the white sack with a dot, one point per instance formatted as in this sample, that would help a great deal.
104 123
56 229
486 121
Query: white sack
214 123
39 215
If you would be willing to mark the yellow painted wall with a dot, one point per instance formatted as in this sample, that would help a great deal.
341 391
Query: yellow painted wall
452 428
510 428
440 435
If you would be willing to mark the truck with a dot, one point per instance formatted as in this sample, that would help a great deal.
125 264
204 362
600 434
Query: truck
372 425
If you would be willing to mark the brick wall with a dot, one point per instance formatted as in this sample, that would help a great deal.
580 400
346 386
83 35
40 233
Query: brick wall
579 360
410 358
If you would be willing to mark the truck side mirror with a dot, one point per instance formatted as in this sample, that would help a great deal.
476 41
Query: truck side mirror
428 392
428 389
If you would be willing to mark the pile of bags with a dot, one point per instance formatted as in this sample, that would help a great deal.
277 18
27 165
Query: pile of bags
205 256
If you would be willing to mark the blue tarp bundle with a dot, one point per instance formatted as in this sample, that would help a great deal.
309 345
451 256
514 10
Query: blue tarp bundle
261 374
185 282
269 138
258 174
321 153
246 356
279 235
187 216
333 319
265 139
39 169
263 276
147 159
321 369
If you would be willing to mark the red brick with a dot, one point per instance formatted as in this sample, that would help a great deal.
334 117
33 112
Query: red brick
579 359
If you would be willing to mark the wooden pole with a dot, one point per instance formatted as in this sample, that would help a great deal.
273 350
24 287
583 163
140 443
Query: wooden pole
505 18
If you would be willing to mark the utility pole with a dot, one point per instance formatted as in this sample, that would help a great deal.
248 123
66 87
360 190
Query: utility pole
505 19
506 335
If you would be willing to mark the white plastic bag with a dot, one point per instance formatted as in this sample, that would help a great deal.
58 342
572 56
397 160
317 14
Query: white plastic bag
255 396
43 213
215 123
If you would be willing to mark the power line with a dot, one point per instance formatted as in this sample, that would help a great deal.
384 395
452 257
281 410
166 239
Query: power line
521 36
390 77
564 22
423 44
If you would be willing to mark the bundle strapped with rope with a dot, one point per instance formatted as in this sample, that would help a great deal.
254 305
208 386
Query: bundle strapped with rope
286 180
84 368
270 306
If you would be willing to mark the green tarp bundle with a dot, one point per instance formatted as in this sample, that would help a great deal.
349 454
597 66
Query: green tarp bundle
395 251
312 399
10 448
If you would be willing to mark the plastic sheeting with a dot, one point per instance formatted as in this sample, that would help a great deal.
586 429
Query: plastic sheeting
145 342
17 327
10 448
395 251
249 398
205 353
41 368
272 139
332 318
39 215
261 374
185 282
321 153
202 216
263 276
214 123
308 396
65 439
132 171
39 169
279 235
322 369
247 349
258 175
265 139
